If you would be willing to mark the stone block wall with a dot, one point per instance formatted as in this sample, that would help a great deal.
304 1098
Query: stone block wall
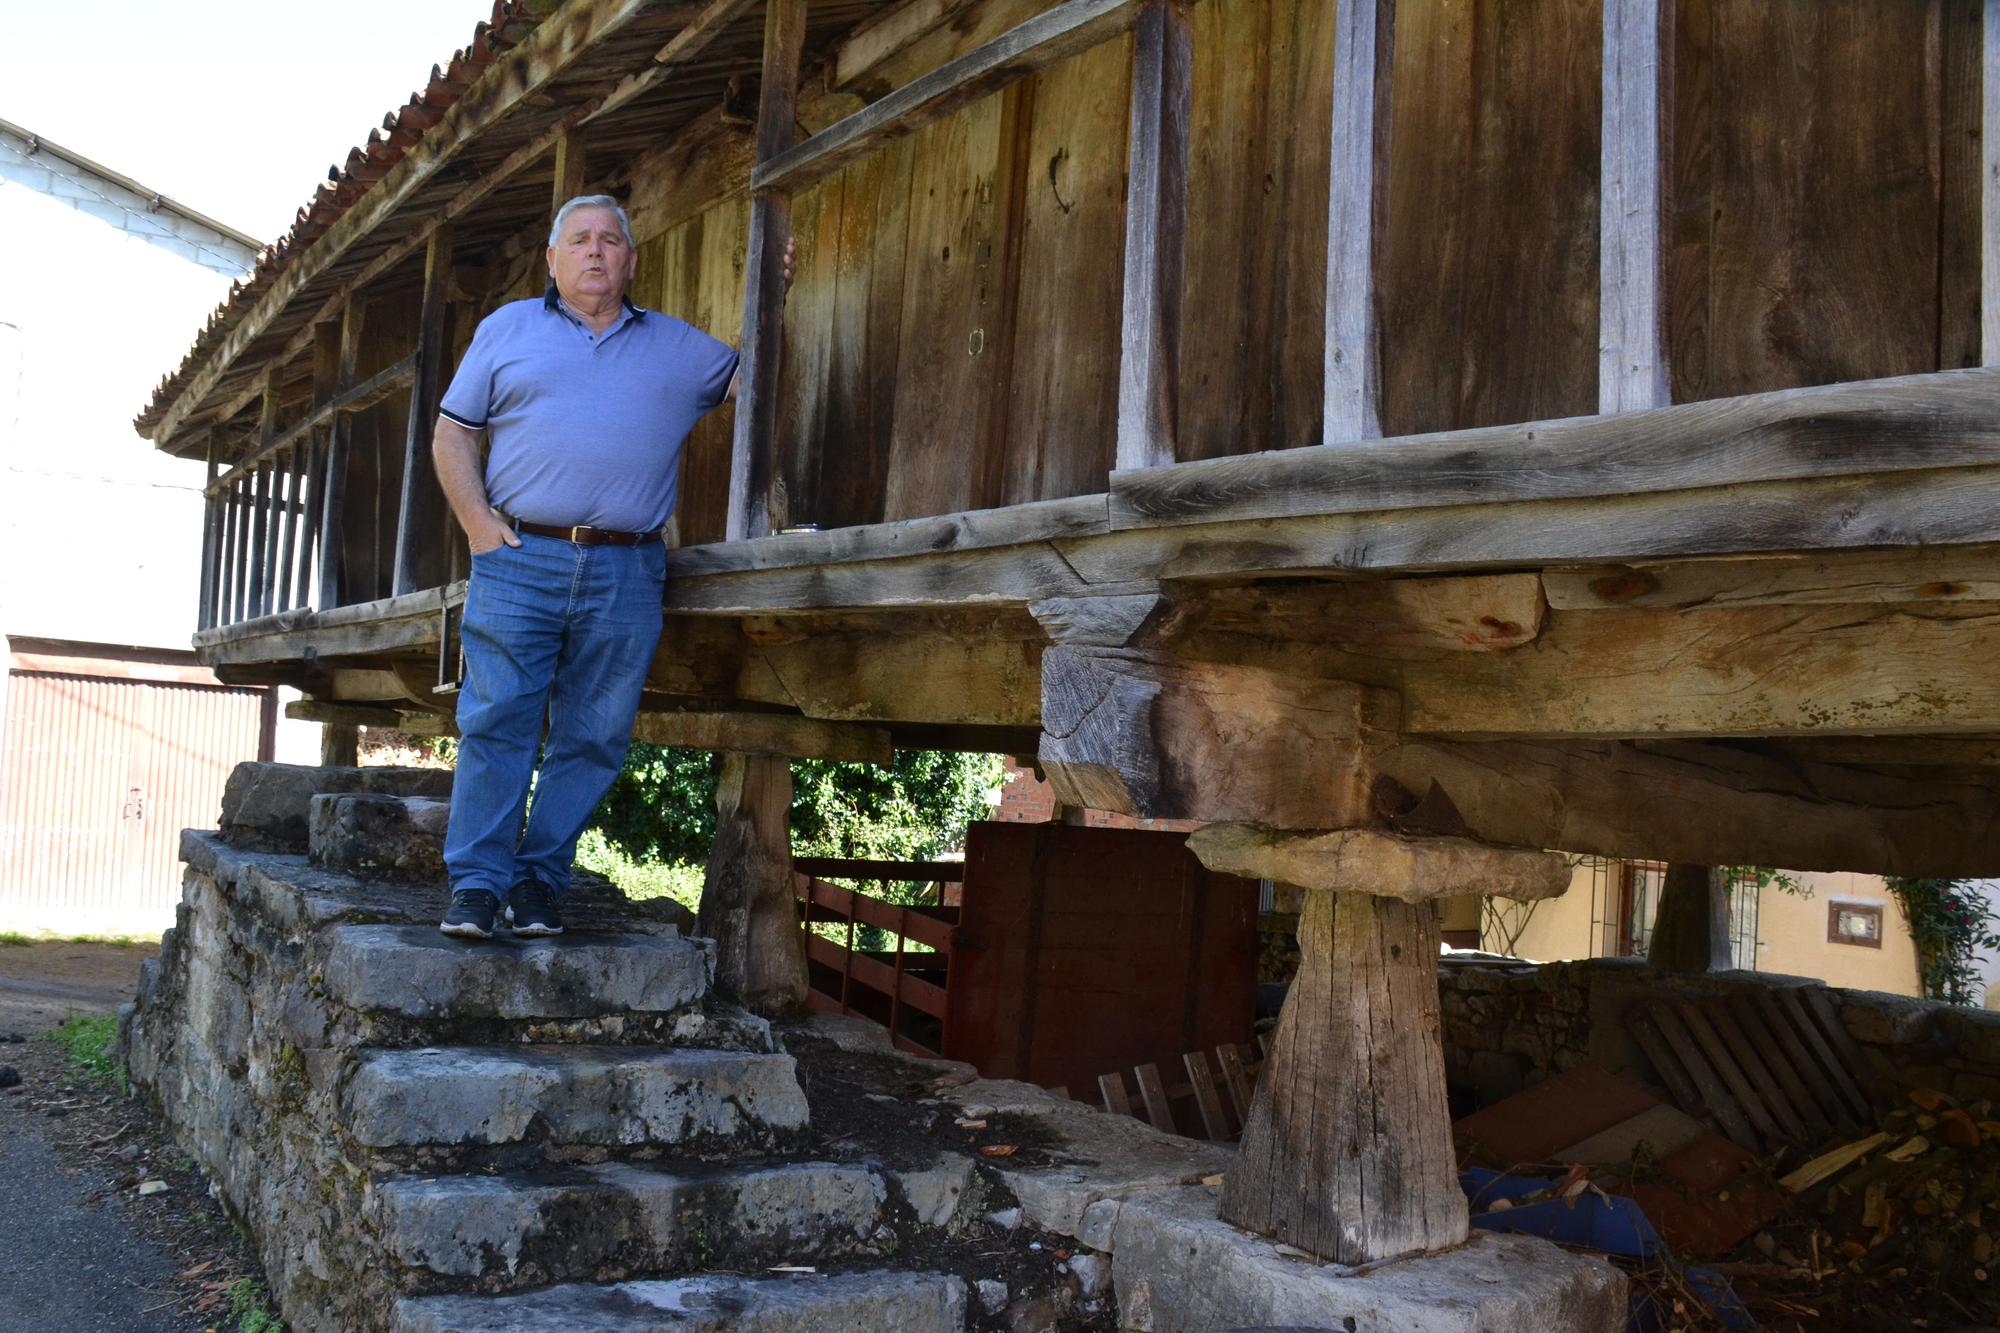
1508 1026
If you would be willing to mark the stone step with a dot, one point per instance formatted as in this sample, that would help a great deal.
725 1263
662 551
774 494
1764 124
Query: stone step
523 1230
375 836
269 806
881 1302
415 972
602 1095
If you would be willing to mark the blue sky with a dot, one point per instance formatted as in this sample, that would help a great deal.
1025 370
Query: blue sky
233 107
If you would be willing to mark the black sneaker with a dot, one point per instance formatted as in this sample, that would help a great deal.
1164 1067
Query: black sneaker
471 914
531 909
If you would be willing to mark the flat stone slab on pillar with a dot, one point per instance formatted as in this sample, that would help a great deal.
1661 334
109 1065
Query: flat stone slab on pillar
810 1303
414 971
1177 1268
268 806
1386 865
604 1095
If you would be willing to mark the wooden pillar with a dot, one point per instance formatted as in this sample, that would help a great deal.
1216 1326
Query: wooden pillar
260 523
325 372
1156 191
420 488
568 180
1691 925
1989 190
1347 1150
1632 366
339 745
235 518
211 540
764 280
1364 58
747 906
333 491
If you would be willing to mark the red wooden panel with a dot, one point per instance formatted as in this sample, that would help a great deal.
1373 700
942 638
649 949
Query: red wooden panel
1085 950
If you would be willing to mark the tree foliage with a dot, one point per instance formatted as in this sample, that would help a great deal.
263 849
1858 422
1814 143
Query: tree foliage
662 804
1951 922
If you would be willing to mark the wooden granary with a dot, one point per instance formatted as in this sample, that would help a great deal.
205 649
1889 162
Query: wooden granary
1395 434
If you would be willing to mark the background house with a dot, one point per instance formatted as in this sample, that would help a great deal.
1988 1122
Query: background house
114 738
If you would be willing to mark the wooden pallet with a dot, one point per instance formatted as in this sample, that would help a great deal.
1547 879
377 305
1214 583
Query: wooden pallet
1232 1075
1772 1067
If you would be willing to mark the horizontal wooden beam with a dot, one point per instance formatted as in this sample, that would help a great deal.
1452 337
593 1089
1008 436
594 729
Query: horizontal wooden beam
1047 39
768 734
505 86
360 398
1922 575
1749 672
1948 419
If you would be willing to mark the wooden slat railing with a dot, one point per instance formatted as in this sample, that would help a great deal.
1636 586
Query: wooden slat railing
879 986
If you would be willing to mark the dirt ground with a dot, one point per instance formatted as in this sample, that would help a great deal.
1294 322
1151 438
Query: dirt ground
80 1246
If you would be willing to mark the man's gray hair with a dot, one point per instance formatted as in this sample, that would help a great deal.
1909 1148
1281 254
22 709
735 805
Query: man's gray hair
603 201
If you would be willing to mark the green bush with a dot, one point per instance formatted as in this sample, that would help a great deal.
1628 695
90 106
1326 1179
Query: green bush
88 1045
661 808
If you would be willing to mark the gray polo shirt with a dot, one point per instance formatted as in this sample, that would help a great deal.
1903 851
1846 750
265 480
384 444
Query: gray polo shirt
586 427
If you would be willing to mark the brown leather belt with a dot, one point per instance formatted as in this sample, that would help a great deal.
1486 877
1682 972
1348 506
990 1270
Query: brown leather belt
584 536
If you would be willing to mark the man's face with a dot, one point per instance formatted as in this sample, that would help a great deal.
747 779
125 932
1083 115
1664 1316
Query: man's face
590 260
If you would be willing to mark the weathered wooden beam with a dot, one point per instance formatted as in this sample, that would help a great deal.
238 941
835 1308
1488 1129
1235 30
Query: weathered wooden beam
260 549
420 489
229 602
1395 618
1156 205
318 441
978 529
1067 29
566 176
356 398
1139 733
1915 574
1364 61
1749 671
570 34
750 455
705 23
291 481
1970 752
1632 369
1989 193
747 906
1947 419
211 541
770 734
333 491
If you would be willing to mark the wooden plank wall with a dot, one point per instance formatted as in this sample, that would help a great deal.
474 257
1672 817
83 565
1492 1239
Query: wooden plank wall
951 341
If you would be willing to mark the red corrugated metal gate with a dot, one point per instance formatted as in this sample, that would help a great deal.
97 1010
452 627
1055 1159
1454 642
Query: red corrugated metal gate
102 763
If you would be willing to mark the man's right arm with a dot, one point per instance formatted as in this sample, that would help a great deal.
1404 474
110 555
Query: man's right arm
456 451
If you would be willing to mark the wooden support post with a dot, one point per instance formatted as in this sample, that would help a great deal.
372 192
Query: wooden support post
1989 190
420 489
1638 97
339 745
1691 925
1156 188
333 491
325 379
229 603
568 177
211 540
1364 59
747 904
1347 1151
294 479
261 534
764 281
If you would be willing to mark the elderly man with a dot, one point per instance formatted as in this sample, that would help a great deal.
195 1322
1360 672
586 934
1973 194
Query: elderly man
586 400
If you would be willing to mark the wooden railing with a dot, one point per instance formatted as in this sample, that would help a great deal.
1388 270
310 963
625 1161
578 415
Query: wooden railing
900 988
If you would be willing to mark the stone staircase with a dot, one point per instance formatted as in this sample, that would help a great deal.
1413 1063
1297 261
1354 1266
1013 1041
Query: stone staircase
422 1133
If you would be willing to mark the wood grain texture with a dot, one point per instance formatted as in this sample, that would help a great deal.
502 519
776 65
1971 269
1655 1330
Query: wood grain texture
1156 220
746 900
1989 236
1347 1153
768 734
1916 575
1357 216
422 529
1380 617
762 346
1945 419
1638 93
1047 39
973 530
1411 869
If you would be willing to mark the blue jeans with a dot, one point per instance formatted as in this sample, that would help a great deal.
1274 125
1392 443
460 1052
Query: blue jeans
555 629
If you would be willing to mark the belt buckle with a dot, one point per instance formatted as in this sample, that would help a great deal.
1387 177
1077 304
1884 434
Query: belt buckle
576 532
